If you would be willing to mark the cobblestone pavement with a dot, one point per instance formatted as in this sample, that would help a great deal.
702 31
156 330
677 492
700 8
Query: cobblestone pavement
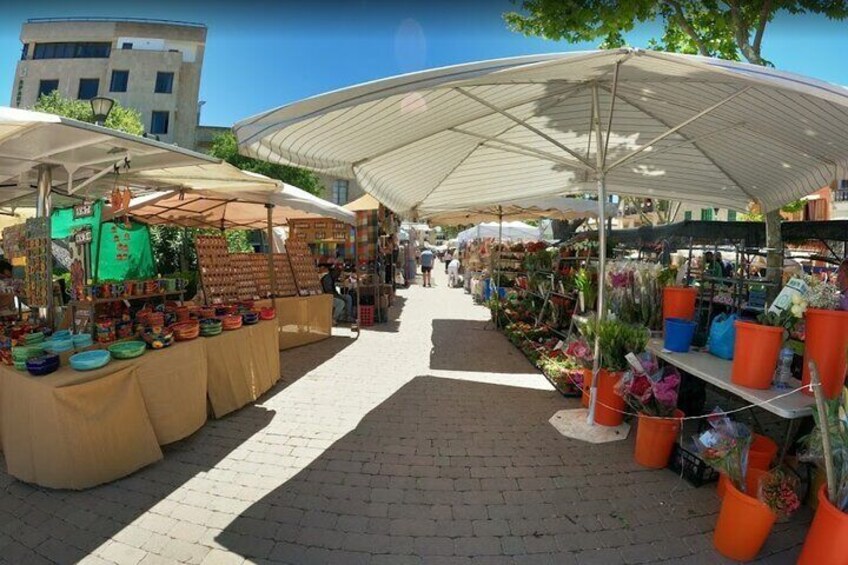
426 440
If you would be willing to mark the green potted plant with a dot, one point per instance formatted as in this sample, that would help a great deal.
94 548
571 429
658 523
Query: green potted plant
616 339
828 535
585 282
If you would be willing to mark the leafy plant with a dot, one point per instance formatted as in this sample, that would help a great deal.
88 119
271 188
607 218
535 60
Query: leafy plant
836 420
787 318
121 118
821 294
617 339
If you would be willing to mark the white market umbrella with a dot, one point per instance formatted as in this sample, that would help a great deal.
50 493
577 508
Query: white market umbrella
552 207
638 123
511 231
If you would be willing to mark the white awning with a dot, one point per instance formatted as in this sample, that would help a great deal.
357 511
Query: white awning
83 156
510 231
703 130
553 207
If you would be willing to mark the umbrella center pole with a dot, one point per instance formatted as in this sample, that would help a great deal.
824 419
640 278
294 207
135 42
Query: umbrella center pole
43 209
270 237
602 260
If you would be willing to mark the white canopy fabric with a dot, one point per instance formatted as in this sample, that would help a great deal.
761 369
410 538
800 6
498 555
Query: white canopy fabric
671 126
553 207
83 156
512 231
229 209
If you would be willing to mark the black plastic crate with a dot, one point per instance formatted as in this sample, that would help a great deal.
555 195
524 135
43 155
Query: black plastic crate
687 463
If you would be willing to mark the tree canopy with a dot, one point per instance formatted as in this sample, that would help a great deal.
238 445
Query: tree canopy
729 29
121 118
225 146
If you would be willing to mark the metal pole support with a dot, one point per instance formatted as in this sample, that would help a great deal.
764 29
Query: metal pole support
43 209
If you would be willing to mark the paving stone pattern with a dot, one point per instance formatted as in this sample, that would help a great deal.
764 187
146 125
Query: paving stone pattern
426 440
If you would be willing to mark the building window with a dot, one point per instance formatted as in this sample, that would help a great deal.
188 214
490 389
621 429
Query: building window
731 215
24 50
45 87
82 50
340 191
88 88
687 215
159 122
119 81
164 83
126 45
706 214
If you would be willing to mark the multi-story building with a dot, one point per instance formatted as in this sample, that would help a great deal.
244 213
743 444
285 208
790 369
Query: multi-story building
150 65
340 191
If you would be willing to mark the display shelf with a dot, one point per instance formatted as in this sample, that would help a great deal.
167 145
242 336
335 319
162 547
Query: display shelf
95 301
285 285
306 275
216 272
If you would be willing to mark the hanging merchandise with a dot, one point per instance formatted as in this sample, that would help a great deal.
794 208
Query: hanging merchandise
124 252
38 279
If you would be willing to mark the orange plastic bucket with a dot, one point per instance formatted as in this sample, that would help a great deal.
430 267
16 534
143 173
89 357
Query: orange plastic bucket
744 524
587 384
679 302
826 343
752 478
610 406
762 453
655 439
756 348
827 540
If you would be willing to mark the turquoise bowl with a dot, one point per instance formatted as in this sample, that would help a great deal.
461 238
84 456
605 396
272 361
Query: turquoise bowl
90 360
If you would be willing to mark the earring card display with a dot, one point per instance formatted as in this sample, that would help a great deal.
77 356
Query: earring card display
318 230
284 276
306 275
252 279
37 242
216 270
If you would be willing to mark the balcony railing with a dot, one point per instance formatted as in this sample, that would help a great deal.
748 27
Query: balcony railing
840 195
128 20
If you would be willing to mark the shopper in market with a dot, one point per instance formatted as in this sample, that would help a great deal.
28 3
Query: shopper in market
342 303
427 260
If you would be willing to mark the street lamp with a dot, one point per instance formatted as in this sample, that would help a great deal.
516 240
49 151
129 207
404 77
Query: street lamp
101 107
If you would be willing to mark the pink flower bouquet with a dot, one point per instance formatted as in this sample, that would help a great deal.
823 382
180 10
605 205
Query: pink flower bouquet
652 392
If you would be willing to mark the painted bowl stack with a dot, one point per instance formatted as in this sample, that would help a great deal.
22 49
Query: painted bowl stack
250 318
81 341
231 322
42 365
210 327
90 360
157 337
184 331
127 349
267 313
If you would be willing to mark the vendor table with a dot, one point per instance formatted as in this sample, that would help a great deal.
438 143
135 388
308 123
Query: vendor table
242 365
76 430
716 371
302 319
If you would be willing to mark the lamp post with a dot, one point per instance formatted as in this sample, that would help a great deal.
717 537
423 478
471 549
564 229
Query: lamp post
101 107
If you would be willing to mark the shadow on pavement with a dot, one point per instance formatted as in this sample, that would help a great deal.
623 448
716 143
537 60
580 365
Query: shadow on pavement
392 323
447 467
300 361
39 525
459 346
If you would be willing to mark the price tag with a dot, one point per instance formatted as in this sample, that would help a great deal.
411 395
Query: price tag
83 236
84 210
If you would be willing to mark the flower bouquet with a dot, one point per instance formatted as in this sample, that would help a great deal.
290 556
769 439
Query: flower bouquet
724 447
652 393
778 490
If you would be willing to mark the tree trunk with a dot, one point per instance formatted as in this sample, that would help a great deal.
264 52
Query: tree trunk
564 229
774 257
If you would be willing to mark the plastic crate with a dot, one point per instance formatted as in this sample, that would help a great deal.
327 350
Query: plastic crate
366 316
687 463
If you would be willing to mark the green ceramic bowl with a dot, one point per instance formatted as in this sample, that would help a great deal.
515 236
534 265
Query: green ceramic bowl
127 349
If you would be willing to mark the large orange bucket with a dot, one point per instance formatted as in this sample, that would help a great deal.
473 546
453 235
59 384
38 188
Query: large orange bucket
587 384
655 439
679 302
609 410
743 526
756 350
760 455
827 540
826 343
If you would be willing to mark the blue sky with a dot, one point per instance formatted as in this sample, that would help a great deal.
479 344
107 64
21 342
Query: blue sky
260 55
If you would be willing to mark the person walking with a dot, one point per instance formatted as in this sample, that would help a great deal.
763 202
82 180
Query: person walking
427 259
447 258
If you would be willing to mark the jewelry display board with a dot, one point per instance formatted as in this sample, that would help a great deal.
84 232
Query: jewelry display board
284 276
318 231
38 245
216 270
251 275
306 275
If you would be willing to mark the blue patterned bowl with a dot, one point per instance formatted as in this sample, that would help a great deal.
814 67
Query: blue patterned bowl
90 360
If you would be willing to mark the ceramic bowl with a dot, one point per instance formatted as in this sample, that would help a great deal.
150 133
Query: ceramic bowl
127 349
59 345
33 338
267 313
90 360
184 331
60 334
158 337
43 365
81 341
250 318
24 352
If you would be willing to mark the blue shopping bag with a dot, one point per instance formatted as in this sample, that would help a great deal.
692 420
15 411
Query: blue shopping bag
722 336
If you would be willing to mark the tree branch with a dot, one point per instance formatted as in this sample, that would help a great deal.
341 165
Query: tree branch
741 31
765 12
688 28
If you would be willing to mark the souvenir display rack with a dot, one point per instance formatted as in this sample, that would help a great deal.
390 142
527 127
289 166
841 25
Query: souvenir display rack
284 276
38 247
253 281
318 231
215 268
306 275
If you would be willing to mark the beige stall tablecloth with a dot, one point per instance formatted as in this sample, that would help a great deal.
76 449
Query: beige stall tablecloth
304 319
76 430
242 365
